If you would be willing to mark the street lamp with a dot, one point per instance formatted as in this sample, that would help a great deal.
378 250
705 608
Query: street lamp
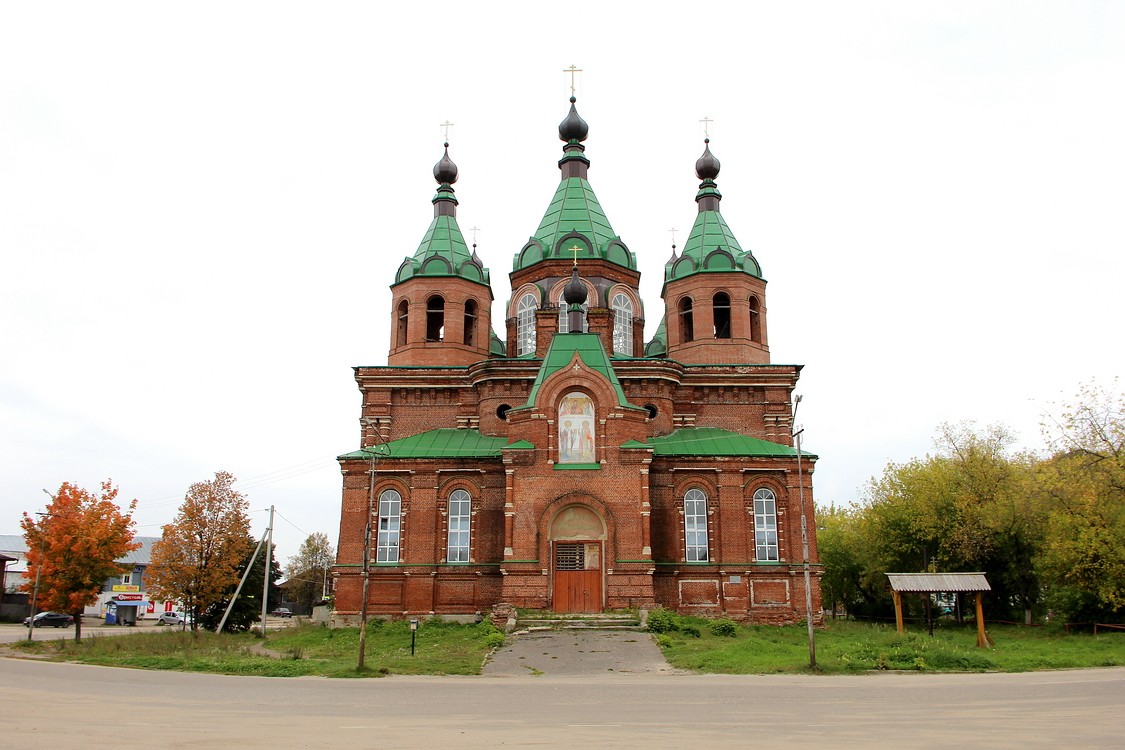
38 570
367 553
804 539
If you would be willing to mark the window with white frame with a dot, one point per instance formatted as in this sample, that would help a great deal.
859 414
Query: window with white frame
460 508
765 525
564 316
525 324
695 526
622 325
390 519
126 578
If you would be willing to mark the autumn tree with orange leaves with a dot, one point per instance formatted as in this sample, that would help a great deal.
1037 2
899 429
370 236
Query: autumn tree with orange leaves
77 542
197 559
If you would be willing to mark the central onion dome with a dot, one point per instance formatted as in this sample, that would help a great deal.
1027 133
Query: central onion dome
573 128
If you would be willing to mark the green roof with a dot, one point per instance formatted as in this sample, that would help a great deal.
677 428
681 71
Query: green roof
587 347
711 247
441 443
575 216
712 441
442 252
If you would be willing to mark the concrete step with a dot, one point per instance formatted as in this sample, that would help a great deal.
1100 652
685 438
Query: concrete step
600 621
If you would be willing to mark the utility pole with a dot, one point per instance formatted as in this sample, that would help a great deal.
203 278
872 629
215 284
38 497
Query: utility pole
805 542
366 568
266 576
38 570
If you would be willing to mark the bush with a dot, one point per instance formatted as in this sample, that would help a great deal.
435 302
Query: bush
494 640
690 630
662 620
725 628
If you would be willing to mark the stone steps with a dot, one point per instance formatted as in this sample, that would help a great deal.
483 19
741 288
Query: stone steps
531 621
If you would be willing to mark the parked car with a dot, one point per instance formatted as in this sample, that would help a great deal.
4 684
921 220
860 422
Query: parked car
173 618
281 612
53 619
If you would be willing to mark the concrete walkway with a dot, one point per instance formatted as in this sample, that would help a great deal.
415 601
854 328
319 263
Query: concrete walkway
577 652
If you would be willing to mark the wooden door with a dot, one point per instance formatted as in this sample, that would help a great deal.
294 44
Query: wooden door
577 577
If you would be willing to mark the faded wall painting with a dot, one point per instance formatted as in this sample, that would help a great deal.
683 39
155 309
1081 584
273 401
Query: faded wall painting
576 429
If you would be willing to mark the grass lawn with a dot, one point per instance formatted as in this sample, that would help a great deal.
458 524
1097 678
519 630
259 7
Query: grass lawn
851 647
688 643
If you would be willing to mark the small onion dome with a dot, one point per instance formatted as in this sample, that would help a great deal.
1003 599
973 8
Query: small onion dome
707 166
575 291
673 258
445 171
476 258
573 128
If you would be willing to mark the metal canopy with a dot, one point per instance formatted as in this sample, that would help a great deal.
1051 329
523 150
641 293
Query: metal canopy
937 583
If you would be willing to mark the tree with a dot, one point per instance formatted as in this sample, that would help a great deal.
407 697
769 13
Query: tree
837 540
1084 486
197 560
307 570
247 608
75 545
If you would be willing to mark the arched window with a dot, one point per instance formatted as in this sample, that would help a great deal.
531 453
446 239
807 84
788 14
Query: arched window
720 307
755 320
576 429
765 525
695 526
460 507
470 321
390 516
564 316
622 325
525 324
401 325
687 332
435 318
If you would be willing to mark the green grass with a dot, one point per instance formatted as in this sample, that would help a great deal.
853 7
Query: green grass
302 650
849 648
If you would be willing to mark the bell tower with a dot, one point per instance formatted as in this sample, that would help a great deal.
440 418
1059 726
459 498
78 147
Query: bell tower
441 298
714 293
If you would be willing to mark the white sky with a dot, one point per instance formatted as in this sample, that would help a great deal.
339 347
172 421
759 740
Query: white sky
202 206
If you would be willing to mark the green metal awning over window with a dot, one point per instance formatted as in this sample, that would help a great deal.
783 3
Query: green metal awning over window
441 443
712 441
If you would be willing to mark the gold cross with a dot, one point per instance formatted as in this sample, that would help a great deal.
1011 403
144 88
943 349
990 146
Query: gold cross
446 126
575 250
673 231
706 129
474 230
573 69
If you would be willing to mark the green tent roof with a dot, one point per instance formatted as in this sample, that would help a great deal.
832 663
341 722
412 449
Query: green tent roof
712 441
443 252
588 347
441 443
711 247
575 215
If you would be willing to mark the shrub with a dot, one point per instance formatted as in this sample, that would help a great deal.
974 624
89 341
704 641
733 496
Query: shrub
662 620
725 628
494 640
690 630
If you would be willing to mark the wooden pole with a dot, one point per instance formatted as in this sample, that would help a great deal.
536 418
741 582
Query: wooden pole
982 637
898 610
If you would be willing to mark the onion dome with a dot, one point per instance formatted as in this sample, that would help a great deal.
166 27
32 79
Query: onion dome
575 291
573 128
445 171
707 166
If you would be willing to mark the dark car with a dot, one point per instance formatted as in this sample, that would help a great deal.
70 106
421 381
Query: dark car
281 612
52 619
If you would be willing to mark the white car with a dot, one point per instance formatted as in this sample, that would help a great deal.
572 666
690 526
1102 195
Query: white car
173 618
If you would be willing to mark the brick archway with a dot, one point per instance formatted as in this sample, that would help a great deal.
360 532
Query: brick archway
576 539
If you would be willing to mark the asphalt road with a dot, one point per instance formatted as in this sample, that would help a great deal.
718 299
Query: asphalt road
47 704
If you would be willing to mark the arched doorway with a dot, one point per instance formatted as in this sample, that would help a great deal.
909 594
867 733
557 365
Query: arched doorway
577 538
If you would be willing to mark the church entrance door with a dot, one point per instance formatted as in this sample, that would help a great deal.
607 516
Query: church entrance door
577 576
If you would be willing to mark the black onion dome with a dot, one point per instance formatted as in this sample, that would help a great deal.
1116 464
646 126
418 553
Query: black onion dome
575 291
445 171
707 166
573 128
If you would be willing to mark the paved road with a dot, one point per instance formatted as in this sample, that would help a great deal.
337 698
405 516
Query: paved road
10 633
47 704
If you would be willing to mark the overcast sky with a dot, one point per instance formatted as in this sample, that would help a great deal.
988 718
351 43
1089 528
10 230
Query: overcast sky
202 206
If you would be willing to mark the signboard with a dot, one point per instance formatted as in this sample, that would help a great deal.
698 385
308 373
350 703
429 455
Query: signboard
125 587
129 597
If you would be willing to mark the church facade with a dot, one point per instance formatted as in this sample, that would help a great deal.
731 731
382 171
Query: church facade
569 465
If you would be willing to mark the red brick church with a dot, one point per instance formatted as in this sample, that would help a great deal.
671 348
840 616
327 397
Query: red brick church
571 465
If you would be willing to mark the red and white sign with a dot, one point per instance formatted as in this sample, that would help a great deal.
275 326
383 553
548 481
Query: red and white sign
129 597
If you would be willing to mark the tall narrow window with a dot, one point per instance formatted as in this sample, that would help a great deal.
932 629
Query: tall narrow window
695 526
460 506
470 321
687 332
435 318
622 325
390 516
403 319
525 324
564 316
720 309
755 320
765 525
